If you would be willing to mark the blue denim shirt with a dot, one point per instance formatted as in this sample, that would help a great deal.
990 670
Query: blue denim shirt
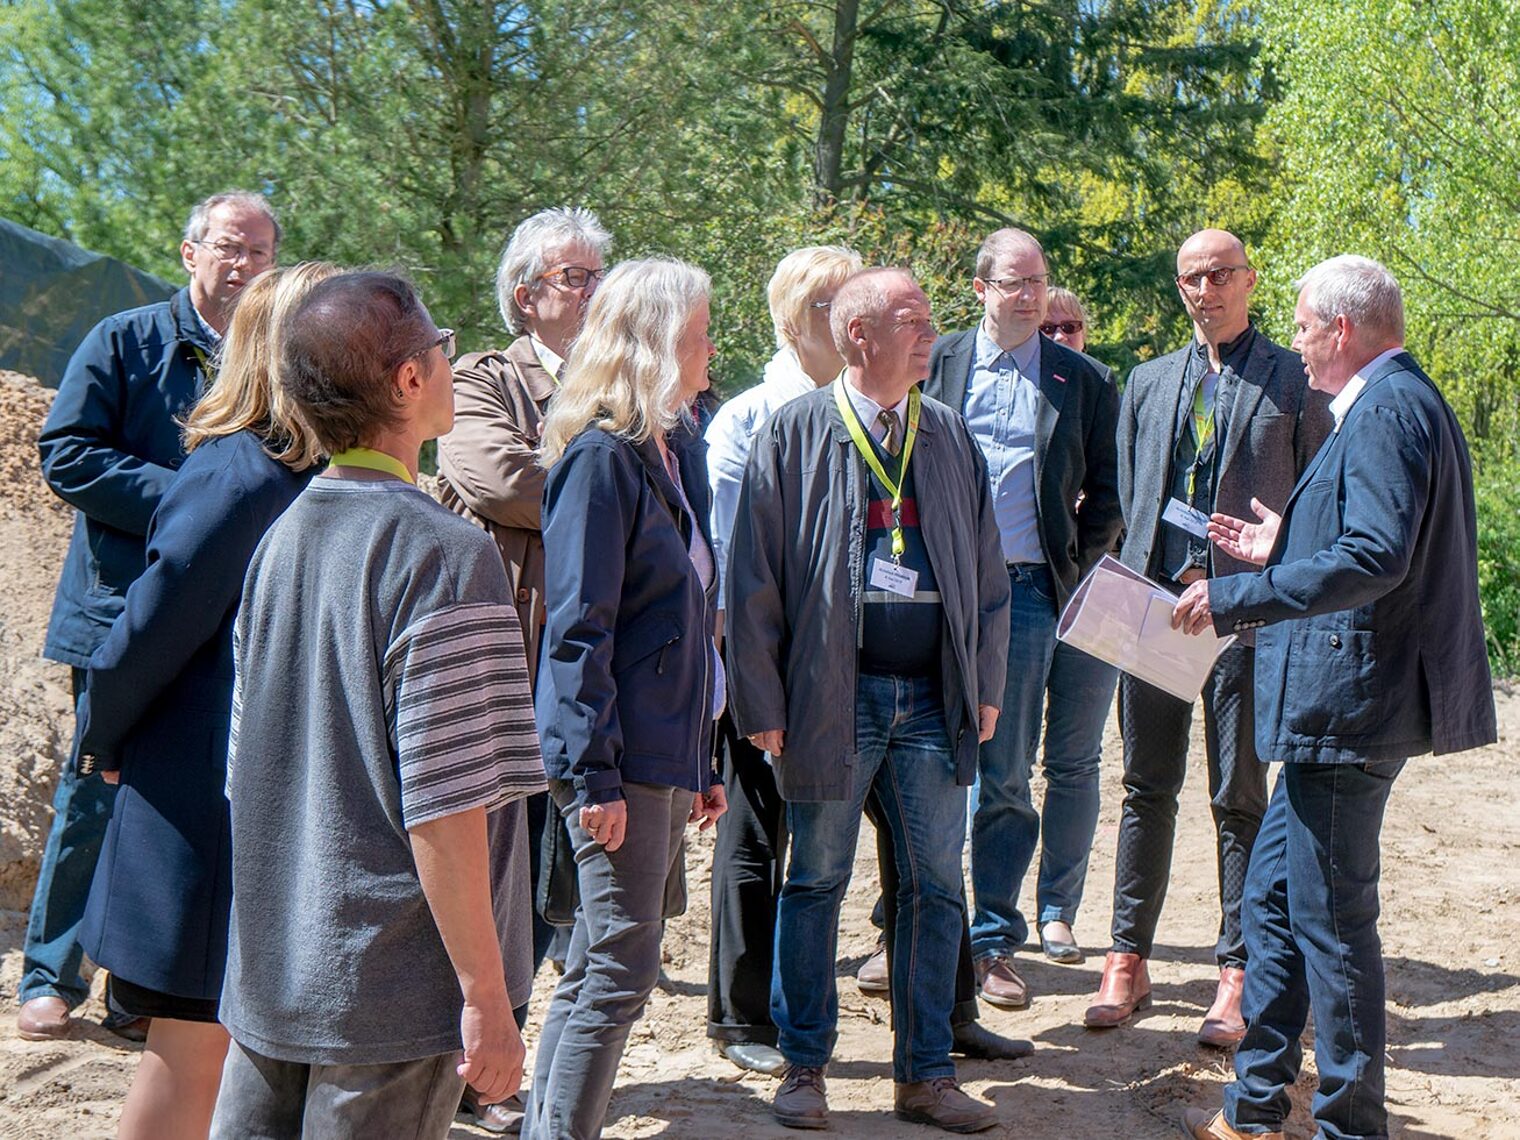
1002 401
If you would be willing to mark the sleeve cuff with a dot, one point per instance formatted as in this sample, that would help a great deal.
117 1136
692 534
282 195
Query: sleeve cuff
599 787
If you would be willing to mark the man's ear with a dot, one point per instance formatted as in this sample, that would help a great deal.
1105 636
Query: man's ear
187 255
523 295
408 380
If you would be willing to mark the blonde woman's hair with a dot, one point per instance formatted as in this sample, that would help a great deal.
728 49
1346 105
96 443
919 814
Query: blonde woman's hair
246 394
1067 301
800 276
624 374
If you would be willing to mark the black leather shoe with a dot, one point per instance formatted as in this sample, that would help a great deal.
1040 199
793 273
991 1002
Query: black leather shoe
1058 945
125 1026
753 1056
977 1043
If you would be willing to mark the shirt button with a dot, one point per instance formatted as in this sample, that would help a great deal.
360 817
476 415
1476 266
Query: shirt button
522 596
1335 641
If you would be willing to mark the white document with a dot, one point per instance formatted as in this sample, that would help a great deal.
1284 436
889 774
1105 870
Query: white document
1126 619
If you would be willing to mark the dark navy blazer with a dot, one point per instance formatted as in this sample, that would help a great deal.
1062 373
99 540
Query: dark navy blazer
157 706
110 447
625 683
1075 450
1377 561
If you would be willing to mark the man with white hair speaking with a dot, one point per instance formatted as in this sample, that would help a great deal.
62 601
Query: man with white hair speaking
1374 563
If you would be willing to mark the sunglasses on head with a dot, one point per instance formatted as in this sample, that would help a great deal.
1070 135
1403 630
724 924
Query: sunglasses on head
1070 328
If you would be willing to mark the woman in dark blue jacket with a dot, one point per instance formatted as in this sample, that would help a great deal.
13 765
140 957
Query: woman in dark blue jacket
155 719
629 683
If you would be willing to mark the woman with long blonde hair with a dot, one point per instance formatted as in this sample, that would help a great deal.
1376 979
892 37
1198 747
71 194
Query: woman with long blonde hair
629 683
156 713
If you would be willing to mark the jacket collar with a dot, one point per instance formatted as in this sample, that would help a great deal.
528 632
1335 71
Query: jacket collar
535 376
842 433
187 322
1253 376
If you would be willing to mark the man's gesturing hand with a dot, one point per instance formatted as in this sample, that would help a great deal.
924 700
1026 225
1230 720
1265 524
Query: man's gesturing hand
771 741
1249 542
493 1051
606 823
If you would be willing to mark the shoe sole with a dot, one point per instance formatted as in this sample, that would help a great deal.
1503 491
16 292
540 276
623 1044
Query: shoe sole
1142 1004
1002 1003
1071 957
807 1123
874 987
960 1129
43 1035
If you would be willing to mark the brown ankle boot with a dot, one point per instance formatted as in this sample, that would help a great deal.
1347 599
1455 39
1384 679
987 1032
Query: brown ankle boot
1126 987
1223 1027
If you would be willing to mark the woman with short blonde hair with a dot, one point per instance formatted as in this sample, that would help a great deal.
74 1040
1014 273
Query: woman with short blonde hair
630 682
156 713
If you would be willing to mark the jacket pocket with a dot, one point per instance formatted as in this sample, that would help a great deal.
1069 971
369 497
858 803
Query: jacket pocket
647 634
1332 683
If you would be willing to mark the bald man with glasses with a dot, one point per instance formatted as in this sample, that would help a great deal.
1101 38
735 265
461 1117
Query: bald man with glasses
1225 421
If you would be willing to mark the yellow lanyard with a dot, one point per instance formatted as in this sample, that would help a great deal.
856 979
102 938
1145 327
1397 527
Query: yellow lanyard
863 445
1203 430
372 460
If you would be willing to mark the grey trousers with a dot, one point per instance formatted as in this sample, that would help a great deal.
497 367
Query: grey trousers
265 1099
614 959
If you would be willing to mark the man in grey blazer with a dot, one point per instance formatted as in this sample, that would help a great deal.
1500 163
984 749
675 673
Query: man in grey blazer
1371 651
1207 428
1043 417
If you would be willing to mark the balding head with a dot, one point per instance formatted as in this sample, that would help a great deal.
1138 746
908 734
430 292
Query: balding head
1215 280
882 327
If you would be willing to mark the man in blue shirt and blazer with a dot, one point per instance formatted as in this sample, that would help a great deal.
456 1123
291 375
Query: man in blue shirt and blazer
110 447
1370 650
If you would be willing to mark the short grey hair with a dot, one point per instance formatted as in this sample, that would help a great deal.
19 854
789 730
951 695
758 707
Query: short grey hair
1006 240
863 295
200 214
523 259
1358 288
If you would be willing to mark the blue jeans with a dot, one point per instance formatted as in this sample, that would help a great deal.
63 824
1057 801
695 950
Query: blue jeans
1310 914
1074 691
51 955
903 755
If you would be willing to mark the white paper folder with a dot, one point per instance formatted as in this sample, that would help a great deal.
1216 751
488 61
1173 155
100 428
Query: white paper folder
1126 619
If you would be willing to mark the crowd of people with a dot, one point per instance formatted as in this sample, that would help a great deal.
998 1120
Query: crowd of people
352 761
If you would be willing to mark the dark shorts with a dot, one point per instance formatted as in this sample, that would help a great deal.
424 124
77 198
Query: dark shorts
139 1001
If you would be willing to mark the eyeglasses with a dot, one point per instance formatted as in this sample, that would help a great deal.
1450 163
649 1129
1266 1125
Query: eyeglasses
1219 277
231 252
1016 284
572 276
445 341
1070 328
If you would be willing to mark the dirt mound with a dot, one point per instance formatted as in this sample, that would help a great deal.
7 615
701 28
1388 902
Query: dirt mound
35 708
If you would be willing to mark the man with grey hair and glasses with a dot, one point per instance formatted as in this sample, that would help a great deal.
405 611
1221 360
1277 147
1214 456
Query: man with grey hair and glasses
1370 649
488 468
109 448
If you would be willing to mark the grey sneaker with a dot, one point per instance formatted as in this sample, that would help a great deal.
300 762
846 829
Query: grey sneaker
941 1102
801 1101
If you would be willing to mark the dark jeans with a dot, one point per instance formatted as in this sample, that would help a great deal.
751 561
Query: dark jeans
1311 911
265 1099
51 955
614 960
1074 692
1156 727
748 859
904 757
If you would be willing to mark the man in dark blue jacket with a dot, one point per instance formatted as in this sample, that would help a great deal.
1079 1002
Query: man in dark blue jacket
1374 562
110 446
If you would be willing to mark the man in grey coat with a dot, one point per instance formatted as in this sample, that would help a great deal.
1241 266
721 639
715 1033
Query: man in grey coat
867 640
1207 428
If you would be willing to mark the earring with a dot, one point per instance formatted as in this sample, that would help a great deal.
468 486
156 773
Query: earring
400 395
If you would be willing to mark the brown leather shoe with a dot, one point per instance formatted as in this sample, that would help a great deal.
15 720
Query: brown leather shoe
1126 987
802 1101
941 1102
43 1019
872 977
1201 1124
1223 1027
999 984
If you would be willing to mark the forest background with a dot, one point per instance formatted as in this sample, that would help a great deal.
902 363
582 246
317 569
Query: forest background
417 133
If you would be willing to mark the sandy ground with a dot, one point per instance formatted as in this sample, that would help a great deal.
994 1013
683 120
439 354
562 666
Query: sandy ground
1451 901
1451 910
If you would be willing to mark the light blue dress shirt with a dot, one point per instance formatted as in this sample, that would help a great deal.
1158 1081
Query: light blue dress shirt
1002 401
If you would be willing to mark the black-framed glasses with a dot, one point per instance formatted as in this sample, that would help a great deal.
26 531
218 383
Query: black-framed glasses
1219 277
1016 284
231 252
572 276
1070 328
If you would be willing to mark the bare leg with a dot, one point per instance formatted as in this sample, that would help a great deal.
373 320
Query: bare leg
174 1091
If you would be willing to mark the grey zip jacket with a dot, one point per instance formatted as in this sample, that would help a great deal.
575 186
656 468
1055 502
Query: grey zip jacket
796 565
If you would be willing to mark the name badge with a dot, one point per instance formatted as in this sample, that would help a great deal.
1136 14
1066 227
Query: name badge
893 578
1186 518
